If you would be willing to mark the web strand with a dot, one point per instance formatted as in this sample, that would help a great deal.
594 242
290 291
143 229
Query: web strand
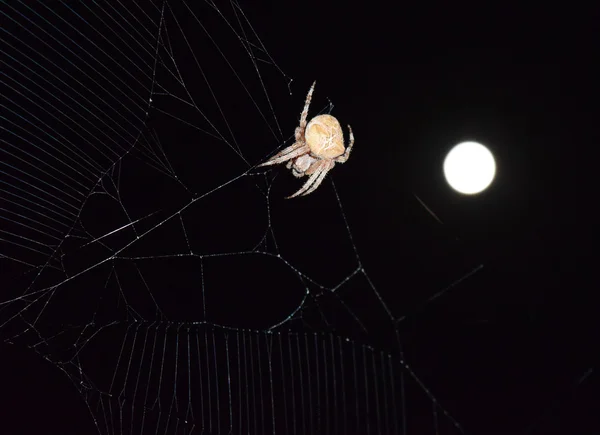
130 197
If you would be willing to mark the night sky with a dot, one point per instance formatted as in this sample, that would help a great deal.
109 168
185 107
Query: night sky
484 296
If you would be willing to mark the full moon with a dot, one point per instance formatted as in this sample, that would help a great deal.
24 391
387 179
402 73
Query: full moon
469 168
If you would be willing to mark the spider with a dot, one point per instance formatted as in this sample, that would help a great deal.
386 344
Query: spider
318 146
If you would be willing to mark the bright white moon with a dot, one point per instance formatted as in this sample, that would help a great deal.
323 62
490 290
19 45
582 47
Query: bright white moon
469 167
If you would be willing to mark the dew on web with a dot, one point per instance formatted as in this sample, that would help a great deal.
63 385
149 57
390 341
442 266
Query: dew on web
146 258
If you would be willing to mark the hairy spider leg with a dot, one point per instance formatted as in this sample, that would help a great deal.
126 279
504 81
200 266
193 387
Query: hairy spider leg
287 154
344 157
324 166
299 133
303 116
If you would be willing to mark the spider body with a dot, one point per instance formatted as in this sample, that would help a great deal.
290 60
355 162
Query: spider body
318 146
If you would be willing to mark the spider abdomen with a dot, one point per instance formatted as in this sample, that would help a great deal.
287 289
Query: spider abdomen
325 137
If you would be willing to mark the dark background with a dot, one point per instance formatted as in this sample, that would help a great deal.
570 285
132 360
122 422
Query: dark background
512 347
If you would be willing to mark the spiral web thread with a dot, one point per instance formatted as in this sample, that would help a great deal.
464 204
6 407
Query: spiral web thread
94 213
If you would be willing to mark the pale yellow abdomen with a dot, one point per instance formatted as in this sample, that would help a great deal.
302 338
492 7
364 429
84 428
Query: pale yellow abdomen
324 136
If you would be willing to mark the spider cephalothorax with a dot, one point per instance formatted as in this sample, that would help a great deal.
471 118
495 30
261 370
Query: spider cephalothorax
318 146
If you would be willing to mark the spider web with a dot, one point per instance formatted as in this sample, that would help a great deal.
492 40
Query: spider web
135 227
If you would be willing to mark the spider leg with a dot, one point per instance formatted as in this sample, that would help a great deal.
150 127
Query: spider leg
302 126
290 152
344 157
306 186
320 179
315 179
289 149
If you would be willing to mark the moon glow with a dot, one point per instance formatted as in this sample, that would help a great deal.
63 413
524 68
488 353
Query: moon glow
469 168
